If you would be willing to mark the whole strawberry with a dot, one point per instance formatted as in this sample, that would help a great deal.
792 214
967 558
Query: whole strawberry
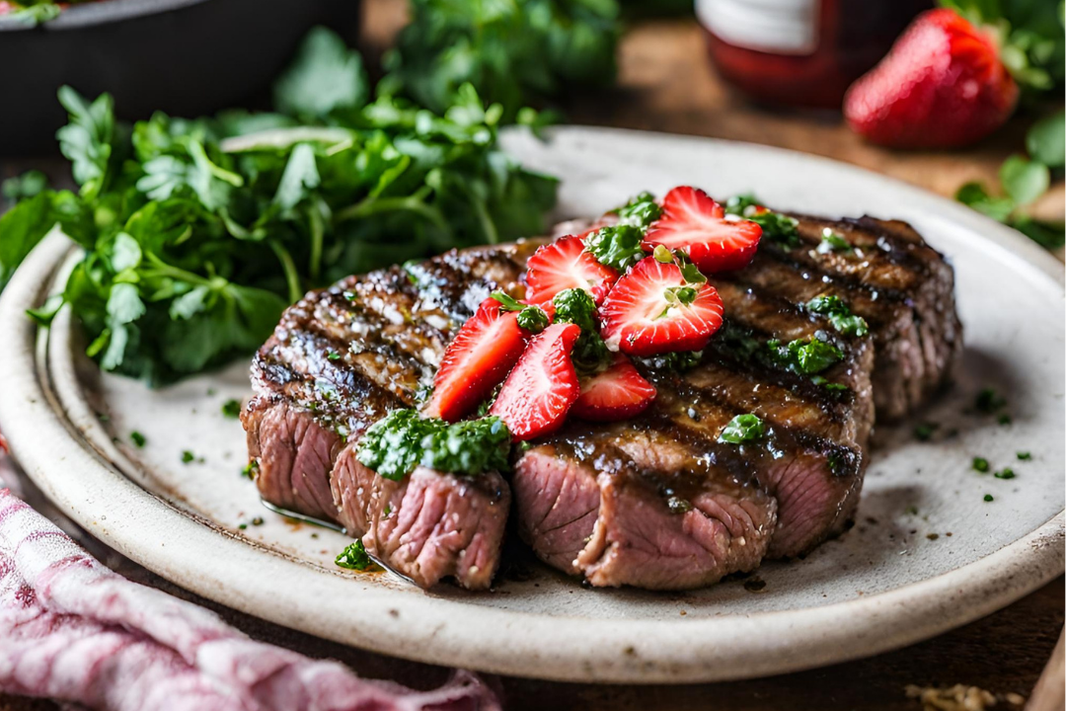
942 86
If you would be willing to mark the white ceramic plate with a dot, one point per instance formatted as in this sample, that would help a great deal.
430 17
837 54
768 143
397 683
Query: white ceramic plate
927 553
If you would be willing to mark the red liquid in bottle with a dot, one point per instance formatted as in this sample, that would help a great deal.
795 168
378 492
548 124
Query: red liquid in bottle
801 52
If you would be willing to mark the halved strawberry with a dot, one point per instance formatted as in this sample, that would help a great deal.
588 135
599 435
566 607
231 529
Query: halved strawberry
614 394
566 265
475 362
652 310
539 391
695 223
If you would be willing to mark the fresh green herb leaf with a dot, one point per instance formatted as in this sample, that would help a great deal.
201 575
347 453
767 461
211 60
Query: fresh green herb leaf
833 242
231 409
1024 180
325 77
27 185
980 464
1048 234
36 13
590 354
640 211
187 457
507 302
741 429
1005 473
975 196
838 313
805 356
989 497
402 440
248 471
776 226
1024 456
616 246
355 557
138 439
1045 140
87 140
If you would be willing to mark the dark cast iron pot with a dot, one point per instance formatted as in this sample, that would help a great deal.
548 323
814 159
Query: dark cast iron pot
184 57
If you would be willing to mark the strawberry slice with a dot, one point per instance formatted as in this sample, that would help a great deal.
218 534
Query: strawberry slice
539 391
693 222
652 310
566 265
475 362
617 393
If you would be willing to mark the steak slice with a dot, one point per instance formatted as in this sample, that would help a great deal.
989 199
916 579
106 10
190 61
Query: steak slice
637 507
339 360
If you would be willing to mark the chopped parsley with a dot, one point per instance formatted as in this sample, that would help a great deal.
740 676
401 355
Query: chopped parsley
187 457
138 439
616 246
988 401
833 242
1005 473
1024 456
989 497
742 428
401 441
248 471
333 355
590 354
924 431
640 211
531 318
838 313
775 226
805 356
980 464
828 385
355 557
231 409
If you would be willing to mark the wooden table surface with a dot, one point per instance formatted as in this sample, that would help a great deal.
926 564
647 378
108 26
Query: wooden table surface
666 84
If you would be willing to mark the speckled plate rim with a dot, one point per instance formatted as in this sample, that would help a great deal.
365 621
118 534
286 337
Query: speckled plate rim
200 557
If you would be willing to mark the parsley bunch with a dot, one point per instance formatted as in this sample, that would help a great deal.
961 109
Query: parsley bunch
197 233
516 53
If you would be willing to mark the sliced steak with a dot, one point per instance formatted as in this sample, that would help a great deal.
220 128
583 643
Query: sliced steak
339 360
657 501
638 507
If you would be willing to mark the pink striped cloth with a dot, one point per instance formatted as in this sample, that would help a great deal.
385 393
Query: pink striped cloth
73 630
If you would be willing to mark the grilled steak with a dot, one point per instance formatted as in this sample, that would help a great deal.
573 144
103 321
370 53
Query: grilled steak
341 359
657 501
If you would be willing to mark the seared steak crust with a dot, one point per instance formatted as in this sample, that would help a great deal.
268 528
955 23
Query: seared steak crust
657 501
